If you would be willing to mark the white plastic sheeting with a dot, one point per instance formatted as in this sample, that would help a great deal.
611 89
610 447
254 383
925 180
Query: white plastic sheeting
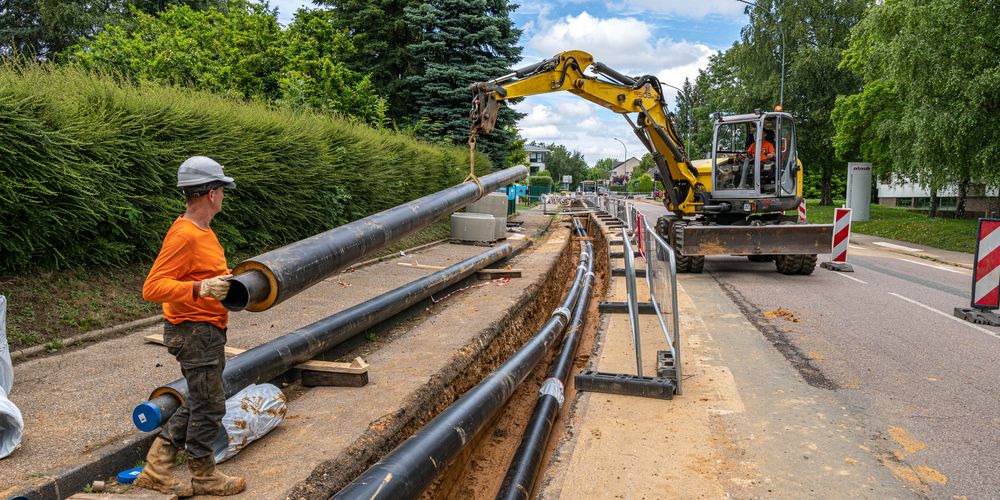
11 423
250 414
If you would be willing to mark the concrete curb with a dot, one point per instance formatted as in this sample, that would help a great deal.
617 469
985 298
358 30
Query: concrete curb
107 462
111 331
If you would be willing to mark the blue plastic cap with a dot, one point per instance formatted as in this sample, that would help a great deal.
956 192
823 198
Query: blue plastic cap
128 476
146 416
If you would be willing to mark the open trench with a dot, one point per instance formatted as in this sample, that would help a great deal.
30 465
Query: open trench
478 471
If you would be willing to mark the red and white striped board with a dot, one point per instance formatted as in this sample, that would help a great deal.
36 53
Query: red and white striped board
802 210
640 230
841 234
986 275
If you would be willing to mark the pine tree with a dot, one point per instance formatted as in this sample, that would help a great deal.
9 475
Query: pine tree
459 42
381 37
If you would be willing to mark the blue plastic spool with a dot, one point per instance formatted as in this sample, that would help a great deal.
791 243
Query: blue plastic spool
146 416
128 476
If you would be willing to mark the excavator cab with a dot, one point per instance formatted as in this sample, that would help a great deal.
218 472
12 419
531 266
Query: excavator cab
754 158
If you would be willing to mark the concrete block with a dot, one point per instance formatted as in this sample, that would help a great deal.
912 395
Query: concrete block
473 227
501 228
494 204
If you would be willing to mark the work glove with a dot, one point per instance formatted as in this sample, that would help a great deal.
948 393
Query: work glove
216 287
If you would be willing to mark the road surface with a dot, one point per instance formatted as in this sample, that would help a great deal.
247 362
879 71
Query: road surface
920 385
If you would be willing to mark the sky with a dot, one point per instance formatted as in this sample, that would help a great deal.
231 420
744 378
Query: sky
671 39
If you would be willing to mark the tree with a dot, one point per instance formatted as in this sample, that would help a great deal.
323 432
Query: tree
645 183
929 110
458 42
315 73
242 53
382 36
810 35
560 161
606 163
43 29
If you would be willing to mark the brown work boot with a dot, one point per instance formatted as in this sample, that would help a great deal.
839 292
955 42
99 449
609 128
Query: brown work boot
156 474
207 480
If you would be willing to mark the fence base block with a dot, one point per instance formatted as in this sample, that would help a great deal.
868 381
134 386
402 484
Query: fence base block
665 365
622 307
626 385
837 266
977 316
620 271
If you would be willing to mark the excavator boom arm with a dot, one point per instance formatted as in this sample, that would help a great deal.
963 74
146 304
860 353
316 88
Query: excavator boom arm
623 95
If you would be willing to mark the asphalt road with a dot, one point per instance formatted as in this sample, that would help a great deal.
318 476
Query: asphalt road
884 342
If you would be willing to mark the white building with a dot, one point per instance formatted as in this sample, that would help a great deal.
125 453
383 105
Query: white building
536 158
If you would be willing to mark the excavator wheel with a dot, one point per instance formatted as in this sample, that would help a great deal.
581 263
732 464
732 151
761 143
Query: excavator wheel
801 264
686 263
795 264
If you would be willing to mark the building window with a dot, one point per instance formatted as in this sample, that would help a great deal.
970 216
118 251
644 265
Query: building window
533 170
536 157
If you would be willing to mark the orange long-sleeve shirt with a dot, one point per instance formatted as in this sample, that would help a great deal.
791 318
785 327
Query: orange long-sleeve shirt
189 254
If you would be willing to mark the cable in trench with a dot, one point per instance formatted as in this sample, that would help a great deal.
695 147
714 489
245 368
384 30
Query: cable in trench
408 470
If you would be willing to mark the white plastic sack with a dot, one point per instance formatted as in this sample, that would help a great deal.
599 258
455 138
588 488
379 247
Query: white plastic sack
6 368
250 414
11 422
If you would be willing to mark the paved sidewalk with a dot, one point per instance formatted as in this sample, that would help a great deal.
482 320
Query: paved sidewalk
77 405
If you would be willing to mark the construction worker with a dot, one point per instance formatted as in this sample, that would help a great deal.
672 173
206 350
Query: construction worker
766 146
189 277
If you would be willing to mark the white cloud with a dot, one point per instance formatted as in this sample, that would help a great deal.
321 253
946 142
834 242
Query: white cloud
628 45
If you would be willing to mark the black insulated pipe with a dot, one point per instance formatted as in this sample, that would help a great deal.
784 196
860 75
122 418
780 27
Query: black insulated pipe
520 477
408 470
271 359
273 277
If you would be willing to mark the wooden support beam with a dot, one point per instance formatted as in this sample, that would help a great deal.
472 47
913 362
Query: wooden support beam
419 266
490 274
355 367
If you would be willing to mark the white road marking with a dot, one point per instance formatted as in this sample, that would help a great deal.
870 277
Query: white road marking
950 270
858 247
894 246
931 309
844 275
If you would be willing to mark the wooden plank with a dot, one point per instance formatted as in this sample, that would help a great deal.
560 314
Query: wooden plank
419 266
140 495
357 366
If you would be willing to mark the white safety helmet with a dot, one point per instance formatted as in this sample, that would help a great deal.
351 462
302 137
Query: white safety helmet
198 170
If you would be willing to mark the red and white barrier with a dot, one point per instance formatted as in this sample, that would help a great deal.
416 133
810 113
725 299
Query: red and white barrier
802 210
986 275
640 236
841 240
841 235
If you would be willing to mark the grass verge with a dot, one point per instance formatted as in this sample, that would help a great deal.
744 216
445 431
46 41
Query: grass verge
957 235
45 307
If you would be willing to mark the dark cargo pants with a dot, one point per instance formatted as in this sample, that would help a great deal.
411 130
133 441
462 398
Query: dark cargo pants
200 349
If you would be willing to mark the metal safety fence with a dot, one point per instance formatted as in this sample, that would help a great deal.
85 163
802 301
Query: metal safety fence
660 263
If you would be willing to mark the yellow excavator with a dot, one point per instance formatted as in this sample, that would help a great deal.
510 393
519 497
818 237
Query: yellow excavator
732 203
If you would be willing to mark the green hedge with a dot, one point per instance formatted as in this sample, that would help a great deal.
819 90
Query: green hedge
88 168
